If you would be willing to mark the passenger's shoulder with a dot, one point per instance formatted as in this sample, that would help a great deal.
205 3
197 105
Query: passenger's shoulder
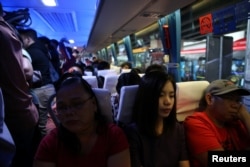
113 128
196 116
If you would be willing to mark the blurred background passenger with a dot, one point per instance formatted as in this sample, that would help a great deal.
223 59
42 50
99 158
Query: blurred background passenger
155 67
125 66
40 62
78 60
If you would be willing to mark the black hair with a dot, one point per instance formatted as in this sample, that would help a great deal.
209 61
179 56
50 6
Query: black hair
75 51
145 112
126 79
54 43
45 40
155 67
28 33
103 65
126 64
68 138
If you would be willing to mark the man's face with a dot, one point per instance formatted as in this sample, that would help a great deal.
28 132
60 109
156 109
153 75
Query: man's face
26 41
226 106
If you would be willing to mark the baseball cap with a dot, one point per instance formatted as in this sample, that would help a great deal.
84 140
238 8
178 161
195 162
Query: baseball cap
223 86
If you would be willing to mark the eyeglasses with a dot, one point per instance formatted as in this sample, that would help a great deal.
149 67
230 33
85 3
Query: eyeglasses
77 105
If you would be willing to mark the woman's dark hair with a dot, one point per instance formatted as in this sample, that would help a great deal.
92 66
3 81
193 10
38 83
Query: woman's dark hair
126 79
28 33
155 67
68 138
202 103
145 112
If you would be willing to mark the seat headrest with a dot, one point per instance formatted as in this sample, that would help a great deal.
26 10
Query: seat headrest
110 82
106 72
104 100
126 103
92 80
188 96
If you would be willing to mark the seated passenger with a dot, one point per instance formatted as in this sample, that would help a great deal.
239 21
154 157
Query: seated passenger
155 137
155 67
125 66
76 68
223 123
83 138
125 79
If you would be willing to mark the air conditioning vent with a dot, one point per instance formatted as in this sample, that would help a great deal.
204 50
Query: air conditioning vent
60 21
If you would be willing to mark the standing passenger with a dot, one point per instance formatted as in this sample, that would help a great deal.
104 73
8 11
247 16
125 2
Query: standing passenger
21 115
156 138
40 62
83 138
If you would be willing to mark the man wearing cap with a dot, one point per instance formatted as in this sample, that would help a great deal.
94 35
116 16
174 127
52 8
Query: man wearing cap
222 123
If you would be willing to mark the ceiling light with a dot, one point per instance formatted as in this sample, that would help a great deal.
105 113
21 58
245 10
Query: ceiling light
71 41
49 2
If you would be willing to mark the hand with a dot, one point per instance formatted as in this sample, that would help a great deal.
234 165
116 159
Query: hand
242 112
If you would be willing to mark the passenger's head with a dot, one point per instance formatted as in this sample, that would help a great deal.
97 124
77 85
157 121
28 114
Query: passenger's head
103 65
76 68
126 79
75 53
54 43
222 100
155 67
155 100
77 105
29 36
126 65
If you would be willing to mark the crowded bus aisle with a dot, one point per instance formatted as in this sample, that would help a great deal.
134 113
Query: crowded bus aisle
144 100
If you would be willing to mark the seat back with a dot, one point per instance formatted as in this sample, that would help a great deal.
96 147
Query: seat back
92 80
188 96
106 72
88 73
126 103
125 70
110 82
7 146
104 100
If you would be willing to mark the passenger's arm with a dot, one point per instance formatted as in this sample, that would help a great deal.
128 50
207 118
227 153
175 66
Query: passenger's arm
135 147
38 163
28 69
121 159
203 157
184 163
201 138
244 116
